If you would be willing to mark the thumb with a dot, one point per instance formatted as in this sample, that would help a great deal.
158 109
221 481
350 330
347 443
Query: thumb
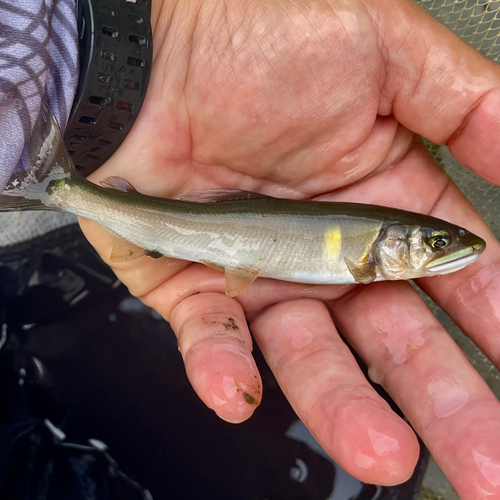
440 87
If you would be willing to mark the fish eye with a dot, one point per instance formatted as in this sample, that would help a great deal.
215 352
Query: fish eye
462 233
439 241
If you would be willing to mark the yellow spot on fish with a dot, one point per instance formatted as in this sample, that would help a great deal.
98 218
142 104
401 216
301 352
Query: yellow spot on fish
333 243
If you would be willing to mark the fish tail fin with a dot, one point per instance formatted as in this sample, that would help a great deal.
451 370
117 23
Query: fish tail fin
48 161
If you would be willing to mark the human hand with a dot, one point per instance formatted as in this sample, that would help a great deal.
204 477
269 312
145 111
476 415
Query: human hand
321 99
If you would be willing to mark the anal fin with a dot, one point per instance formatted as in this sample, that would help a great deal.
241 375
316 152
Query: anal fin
239 279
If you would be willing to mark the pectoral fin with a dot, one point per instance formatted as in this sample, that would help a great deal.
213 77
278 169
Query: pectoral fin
238 279
364 272
123 250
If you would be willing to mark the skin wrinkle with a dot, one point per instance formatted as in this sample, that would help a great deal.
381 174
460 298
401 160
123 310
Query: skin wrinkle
202 169
388 165
191 44
416 84
216 344
430 203
294 359
287 363
460 127
207 165
231 339
394 155
337 410
386 104
220 319
434 138
289 152
165 41
466 292
239 350
449 183
353 393
380 46
285 292
157 293
456 135
409 146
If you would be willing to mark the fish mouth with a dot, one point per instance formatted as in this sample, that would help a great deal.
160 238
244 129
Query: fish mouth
455 261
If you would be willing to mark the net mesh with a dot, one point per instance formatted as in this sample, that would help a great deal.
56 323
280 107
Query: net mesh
475 21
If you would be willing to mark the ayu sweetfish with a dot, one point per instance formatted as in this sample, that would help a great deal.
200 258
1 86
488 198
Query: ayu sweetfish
244 234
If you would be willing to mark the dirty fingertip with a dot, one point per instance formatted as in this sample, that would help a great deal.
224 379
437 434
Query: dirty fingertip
226 378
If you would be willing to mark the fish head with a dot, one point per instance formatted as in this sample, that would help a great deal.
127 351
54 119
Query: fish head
416 251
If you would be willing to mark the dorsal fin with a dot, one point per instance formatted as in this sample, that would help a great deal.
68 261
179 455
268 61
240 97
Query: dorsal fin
220 195
118 183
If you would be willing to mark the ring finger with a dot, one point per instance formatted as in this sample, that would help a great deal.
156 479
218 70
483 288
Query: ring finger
414 359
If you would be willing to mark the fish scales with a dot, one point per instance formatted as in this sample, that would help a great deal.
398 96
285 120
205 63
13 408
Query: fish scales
288 245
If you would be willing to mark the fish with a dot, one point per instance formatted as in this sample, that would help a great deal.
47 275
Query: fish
243 234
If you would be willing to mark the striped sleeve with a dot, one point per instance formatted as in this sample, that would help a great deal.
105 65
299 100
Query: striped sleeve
38 59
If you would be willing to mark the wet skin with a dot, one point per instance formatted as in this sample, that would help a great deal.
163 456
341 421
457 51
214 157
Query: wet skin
323 100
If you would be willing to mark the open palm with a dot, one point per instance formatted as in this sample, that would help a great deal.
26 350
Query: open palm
321 99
